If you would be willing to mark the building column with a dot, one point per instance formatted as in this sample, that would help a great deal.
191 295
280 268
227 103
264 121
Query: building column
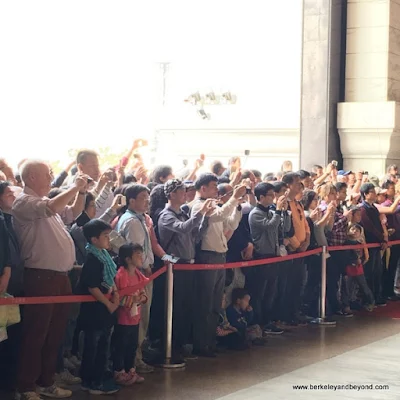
369 119
322 83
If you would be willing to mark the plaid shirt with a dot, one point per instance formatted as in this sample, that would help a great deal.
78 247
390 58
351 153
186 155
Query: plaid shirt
338 235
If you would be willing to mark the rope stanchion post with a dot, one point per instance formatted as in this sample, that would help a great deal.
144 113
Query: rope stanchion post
322 320
169 294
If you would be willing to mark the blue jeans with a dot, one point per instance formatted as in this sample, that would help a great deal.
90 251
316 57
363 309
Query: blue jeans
95 355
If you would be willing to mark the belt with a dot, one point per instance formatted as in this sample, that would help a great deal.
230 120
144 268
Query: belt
48 272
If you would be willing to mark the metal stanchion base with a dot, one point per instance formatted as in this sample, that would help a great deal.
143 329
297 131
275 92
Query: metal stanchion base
322 322
170 364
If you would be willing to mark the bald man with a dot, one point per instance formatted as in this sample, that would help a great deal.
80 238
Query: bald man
49 253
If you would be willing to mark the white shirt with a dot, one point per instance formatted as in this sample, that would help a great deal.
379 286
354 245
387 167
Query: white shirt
222 218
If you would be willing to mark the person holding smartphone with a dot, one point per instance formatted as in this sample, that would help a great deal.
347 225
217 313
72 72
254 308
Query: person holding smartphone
178 233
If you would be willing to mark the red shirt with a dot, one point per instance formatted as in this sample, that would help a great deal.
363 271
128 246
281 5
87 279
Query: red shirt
123 280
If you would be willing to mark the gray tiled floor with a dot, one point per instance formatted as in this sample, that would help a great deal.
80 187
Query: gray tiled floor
373 364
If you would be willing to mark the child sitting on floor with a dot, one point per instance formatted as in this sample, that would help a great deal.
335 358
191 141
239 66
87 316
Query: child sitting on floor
240 315
227 335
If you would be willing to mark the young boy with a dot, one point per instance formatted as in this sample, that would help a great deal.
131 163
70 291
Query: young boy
355 269
240 315
97 317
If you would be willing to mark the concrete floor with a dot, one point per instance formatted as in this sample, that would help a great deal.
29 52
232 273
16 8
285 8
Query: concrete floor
358 348
209 379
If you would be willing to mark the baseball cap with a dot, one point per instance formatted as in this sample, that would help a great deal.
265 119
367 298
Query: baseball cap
172 185
344 173
374 180
379 190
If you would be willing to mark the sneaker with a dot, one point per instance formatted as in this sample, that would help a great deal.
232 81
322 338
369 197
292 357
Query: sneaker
345 314
272 329
27 396
75 361
66 377
187 354
68 364
135 376
369 307
144 368
381 303
54 392
122 378
109 387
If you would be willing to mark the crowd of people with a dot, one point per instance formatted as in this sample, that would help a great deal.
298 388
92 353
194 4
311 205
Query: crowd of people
88 231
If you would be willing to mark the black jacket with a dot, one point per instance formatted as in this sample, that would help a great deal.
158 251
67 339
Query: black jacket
5 259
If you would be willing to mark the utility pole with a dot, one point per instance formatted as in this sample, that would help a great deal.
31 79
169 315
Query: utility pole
164 67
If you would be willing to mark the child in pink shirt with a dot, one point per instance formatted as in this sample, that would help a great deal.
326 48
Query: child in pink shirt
125 337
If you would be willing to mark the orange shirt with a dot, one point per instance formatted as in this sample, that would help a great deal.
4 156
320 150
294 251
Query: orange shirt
300 224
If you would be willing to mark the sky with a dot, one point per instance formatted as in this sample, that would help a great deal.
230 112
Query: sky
85 74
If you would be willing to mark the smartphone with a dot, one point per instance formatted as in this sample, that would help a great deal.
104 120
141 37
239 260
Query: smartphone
122 201
248 191
335 163
82 219
171 259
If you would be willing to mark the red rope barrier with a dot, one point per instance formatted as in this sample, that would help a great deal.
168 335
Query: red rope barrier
191 267
186 267
74 298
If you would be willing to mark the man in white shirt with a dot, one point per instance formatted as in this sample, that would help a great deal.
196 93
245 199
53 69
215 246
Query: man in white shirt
209 284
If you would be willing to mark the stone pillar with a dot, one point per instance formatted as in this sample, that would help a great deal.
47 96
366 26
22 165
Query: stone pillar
369 119
322 80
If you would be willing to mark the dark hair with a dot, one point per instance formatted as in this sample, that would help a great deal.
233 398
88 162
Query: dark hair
256 173
246 174
357 226
129 178
290 177
94 228
340 185
366 188
55 192
89 197
270 176
3 186
161 171
308 197
83 154
158 200
262 189
223 179
223 189
386 185
133 190
216 166
394 166
74 170
315 168
303 174
205 179
238 294
278 186
127 250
